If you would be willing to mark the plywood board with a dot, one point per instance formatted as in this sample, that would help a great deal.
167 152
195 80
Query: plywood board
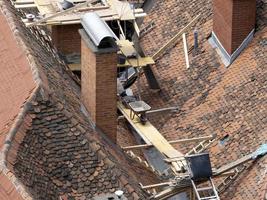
140 62
122 8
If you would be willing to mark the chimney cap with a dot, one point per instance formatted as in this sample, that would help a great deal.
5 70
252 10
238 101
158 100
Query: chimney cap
96 28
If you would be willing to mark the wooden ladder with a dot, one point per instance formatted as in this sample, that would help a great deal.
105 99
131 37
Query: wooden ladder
201 147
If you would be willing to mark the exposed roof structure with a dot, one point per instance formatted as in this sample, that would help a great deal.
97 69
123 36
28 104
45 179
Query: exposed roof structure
49 143
49 147
230 102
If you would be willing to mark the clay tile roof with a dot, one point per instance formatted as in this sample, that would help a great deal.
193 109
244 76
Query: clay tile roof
51 147
211 98
7 189
16 76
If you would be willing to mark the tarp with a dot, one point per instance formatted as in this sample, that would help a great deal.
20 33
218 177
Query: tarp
261 151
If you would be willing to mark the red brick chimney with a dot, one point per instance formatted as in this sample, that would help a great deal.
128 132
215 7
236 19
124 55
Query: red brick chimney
66 38
99 78
233 25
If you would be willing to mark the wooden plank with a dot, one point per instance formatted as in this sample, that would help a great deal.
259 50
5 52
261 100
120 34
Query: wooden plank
187 140
186 51
140 62
24 2
173 40
61 13
171 191
46 7
233 164
78 15
136 28
23 6
95 8
151 136
122 8
156 185
75 67
126 47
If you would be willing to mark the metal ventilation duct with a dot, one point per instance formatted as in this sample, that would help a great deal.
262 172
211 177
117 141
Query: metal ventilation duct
96 28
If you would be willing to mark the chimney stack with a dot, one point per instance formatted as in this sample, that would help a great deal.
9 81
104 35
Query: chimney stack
99 73
233 26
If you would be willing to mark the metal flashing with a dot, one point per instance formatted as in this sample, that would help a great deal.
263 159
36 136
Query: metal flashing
96 28
226 57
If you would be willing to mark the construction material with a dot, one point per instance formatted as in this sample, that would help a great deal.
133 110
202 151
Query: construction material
132 57
169 192
61 13
186 51
156 185
170 142
173 40
261 151
138 62
152 136
108 10
122 33
23 6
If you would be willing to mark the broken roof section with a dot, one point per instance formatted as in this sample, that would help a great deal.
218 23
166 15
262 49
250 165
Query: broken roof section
52 148
211 98
52 12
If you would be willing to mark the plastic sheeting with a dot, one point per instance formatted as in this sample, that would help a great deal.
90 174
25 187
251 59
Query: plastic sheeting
261 151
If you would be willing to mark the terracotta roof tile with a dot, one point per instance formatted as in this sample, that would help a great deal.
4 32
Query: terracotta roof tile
211 98
16 76
7 189
55 151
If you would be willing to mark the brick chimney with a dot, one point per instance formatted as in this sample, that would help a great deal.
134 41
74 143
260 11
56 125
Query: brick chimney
66 38
233 26
99 76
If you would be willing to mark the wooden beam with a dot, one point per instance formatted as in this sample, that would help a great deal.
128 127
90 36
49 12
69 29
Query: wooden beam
169 192
23 2
186 51
61 13
94 8
155 185
170 142
22 6
121 30
136 28
152 136
173 40
234 164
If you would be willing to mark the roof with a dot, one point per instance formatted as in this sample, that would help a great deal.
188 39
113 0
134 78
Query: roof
51 147
16 76
7 189
211 98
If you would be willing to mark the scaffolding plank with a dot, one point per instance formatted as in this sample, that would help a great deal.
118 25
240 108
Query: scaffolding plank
138 62
22 6
150 134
